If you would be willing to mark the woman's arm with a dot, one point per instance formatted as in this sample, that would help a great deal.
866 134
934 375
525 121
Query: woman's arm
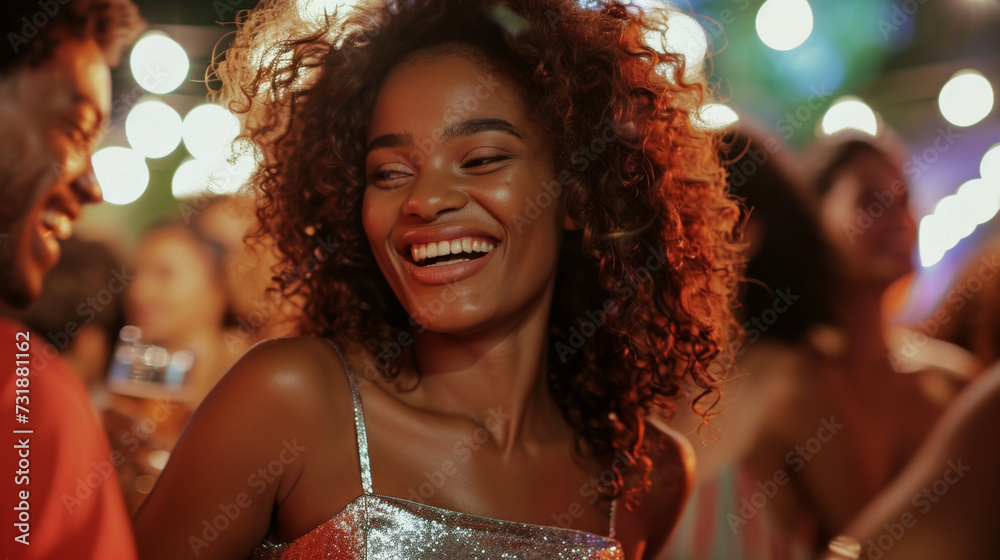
216 496
944 505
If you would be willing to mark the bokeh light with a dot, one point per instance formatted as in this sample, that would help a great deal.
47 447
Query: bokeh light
966 99
953 211
784 24
989 168
122 174
153 128
209 130
932 244
198 176
955 217
315 11
980 200
714 116
191 178
684 35
159 63
852 113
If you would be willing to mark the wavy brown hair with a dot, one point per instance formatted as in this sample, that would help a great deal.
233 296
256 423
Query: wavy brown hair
656 245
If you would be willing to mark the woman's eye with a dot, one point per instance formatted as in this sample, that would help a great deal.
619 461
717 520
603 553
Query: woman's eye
387 178
481 159
477 162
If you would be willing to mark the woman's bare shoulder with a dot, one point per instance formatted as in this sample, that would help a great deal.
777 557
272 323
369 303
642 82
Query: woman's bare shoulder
277 387
672 478
300 368
673 457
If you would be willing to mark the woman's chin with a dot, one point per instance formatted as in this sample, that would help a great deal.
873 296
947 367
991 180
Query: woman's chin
887 270
450 323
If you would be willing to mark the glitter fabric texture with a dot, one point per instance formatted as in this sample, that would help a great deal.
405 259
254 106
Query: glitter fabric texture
377 527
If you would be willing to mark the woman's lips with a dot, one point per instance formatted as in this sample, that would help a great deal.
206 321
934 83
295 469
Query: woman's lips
468 245
447 273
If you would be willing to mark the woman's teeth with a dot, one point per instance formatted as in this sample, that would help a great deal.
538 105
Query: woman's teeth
59 223
463 245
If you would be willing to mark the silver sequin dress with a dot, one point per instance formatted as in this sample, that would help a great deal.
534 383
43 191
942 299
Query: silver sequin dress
378 527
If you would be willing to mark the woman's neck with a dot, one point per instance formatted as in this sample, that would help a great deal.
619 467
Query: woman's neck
496 378
863 324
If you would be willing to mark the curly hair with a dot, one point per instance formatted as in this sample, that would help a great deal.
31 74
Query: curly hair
34 29
655 255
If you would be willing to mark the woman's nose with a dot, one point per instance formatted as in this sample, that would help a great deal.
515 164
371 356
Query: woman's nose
432 193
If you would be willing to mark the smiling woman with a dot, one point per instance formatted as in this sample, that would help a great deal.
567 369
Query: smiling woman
533 252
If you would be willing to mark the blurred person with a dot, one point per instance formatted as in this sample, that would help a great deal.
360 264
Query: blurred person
866 215
190 280
178 299
180 302
818 417
886 411
423 132
250 269
55 94
786 305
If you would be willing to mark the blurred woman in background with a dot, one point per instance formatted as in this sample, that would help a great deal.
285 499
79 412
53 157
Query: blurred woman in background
886 411
818 418
179 300
737 509
200 290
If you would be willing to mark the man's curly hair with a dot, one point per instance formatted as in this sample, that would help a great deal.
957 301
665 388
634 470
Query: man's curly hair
656 249
33 29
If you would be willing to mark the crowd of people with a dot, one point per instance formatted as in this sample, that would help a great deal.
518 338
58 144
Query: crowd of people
431 326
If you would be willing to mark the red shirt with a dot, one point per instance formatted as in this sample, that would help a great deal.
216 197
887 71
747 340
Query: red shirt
60 486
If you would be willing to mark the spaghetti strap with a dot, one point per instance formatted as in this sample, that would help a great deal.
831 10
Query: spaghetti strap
359 422
362 436
614 503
